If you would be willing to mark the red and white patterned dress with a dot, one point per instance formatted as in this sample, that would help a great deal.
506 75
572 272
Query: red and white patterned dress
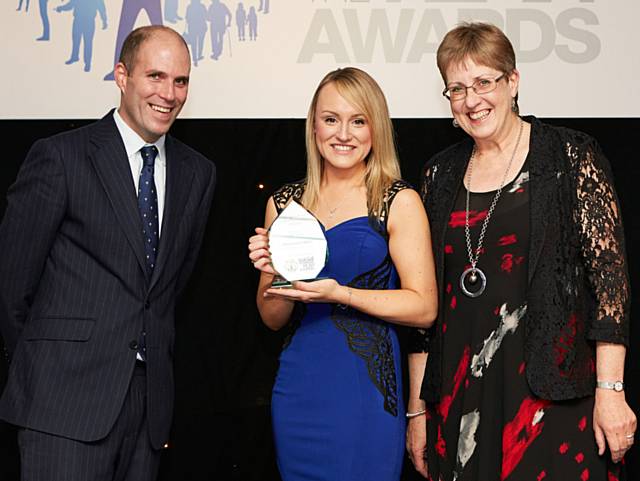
488 424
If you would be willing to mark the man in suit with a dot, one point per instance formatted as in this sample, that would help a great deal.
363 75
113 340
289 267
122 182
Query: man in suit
102 229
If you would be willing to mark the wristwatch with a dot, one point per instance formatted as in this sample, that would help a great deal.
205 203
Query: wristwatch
617 386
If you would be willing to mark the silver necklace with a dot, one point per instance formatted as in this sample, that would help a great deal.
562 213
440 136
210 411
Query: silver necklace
342 201
472 274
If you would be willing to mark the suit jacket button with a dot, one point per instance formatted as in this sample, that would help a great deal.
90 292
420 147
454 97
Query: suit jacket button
147 304
134 345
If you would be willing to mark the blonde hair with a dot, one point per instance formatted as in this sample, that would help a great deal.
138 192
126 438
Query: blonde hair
382 167
483 43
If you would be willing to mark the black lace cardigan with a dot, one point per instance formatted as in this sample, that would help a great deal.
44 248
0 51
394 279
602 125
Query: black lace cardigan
578 282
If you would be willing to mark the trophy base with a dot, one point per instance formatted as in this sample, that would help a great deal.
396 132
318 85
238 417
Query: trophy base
280 282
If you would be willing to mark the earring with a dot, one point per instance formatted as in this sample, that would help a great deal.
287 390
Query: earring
455 123
514 105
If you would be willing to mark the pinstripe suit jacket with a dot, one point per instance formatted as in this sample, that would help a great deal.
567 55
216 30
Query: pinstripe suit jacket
74 293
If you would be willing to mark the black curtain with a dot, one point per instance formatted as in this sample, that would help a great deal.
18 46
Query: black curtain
225 358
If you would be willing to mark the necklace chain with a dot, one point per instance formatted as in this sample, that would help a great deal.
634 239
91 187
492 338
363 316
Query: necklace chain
342 201
474 256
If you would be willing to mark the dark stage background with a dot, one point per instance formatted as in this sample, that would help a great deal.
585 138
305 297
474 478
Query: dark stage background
225 358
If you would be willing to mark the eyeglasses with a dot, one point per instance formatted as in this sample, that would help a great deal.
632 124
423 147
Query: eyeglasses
480 86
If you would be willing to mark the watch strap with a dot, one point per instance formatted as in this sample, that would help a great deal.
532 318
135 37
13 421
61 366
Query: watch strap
613 385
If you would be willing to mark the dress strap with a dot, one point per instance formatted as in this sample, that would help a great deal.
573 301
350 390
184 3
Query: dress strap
284 194
379 220
295 190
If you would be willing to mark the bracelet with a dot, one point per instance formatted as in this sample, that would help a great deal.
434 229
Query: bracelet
416 414
346 306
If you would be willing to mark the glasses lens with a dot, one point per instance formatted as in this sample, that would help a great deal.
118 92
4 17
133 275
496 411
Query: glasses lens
484 85
457 92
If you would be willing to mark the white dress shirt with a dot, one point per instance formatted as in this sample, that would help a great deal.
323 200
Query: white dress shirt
132 144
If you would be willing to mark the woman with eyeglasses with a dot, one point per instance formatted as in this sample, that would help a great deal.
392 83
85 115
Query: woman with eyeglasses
524 371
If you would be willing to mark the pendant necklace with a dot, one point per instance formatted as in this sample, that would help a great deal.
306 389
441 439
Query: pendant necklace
342 201
473 274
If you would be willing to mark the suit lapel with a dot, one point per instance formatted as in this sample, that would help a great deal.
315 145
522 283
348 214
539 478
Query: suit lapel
178 185
110 161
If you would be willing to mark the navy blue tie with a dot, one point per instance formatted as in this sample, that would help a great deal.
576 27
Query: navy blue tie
148 205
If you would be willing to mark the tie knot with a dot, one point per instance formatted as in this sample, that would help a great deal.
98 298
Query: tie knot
149 153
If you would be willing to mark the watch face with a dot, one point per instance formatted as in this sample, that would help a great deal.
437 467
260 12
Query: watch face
618 386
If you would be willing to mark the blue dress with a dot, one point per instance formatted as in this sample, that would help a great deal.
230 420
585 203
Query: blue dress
337 405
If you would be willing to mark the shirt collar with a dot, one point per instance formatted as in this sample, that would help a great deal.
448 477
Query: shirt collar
133 142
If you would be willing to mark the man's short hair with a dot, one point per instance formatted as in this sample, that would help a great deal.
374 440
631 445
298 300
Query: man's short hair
139 36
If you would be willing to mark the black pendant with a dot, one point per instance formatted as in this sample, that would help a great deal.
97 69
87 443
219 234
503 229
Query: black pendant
471 277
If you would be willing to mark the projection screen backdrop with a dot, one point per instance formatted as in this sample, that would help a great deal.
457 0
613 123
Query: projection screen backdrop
263 58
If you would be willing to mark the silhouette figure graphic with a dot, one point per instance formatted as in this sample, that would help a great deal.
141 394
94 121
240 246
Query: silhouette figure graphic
241 20
219 20
171 11
130 11
264 6
26 8
252 20
196 19
84 27
44 16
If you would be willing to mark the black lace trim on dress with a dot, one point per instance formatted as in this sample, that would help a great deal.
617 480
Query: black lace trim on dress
368 337
294 191
378 220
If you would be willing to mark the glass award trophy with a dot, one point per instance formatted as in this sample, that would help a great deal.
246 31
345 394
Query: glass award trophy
298 246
